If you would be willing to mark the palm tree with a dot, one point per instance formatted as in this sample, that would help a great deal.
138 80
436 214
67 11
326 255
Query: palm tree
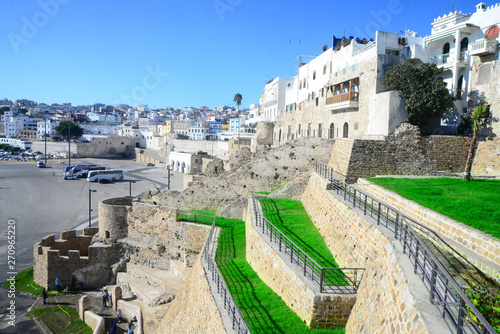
480 116
237 99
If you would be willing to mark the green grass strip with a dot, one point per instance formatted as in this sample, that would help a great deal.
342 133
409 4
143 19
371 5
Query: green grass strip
263 310
291 218
56 318
475 203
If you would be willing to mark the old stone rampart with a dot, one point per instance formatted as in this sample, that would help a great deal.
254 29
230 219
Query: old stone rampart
487 159
390 298
480 248
317 310
70 255
194 309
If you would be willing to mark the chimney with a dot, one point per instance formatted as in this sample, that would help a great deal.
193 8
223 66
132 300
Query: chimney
480 7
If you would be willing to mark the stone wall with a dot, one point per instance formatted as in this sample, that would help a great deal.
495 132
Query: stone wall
449 152
63 258
131 311
487 159
390 299
113 217
160 237
194 309
95 322
480 248
317 310
220 148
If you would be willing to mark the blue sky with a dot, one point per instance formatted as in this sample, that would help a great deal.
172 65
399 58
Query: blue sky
180 53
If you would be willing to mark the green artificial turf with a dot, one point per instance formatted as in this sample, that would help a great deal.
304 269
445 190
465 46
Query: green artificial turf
61 320
263 310
475 203
291 218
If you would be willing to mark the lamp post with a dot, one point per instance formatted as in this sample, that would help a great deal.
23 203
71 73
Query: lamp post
45 135
130 188
90 204
69 144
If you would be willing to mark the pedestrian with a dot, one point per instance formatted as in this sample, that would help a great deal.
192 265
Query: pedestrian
113 328
44 295
110 299
119 315
105 299
53 173
58 284
72 284
131 328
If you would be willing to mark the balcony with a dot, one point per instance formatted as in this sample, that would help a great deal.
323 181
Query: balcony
448 59
347 100
269 100
483 47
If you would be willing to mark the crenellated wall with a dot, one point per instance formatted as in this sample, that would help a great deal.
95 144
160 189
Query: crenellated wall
390 299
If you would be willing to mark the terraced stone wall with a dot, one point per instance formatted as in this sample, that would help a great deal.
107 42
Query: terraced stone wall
480 248
387 301
487 159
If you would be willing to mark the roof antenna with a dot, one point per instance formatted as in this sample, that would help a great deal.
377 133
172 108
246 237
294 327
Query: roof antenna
453 6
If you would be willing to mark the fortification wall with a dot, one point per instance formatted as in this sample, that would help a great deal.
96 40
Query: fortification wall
449 152
389 299
317 310
480 248
487 159
194 309
220 148
99 148
63 258
113 217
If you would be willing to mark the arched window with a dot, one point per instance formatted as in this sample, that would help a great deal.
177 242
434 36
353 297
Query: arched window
331 133
346 130
279 136
464 45
446 48
492 33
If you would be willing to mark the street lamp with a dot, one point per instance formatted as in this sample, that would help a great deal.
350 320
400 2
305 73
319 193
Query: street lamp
130 188
90 204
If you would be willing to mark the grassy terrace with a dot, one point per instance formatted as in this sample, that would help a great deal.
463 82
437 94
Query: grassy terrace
62 319
291 218
263 310
475 203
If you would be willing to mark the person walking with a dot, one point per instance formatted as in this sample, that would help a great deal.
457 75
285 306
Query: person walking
58 284
72 284
44 295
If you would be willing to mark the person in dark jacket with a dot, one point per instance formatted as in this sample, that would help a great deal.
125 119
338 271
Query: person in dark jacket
44 295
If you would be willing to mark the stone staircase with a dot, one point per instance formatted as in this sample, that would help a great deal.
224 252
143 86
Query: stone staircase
147 283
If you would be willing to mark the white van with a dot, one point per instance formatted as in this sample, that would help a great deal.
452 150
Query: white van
40 164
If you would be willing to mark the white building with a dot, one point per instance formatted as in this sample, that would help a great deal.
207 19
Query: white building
46 127
198 130
14 124
21 143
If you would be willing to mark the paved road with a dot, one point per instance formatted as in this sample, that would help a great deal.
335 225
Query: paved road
41 204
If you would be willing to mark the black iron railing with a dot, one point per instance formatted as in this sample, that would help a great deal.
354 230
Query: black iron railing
329 280
458 311
238 323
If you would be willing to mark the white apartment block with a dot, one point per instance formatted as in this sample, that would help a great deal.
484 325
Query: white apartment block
14 124
46 127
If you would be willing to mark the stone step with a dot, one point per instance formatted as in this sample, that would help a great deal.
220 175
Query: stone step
158 278
138 287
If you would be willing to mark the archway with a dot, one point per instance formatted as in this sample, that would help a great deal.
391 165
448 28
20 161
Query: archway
446 49
459 87
183 167
464 44
346 130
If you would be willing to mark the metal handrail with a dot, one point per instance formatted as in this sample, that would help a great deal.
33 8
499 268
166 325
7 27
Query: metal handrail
238 323
444 292
329 279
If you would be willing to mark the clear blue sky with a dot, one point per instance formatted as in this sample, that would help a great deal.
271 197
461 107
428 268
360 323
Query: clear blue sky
180 53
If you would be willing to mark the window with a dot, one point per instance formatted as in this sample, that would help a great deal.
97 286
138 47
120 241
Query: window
446 48
464 45
324 69
331 133
346 130
314 75
319 131
459 87
317 101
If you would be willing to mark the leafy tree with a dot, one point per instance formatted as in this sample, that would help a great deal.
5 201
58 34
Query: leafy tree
23 111
4 109
424 94
238 98
480 117
75 129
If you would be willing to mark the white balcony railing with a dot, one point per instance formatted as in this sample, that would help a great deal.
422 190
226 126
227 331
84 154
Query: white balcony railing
450 58
483 47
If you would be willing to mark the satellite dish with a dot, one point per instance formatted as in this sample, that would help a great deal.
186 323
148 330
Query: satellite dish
325 47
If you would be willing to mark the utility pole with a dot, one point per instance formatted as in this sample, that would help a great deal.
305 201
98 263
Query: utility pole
69 144
45 135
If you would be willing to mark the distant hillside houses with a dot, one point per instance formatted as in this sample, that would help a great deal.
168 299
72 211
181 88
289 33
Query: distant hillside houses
339 92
